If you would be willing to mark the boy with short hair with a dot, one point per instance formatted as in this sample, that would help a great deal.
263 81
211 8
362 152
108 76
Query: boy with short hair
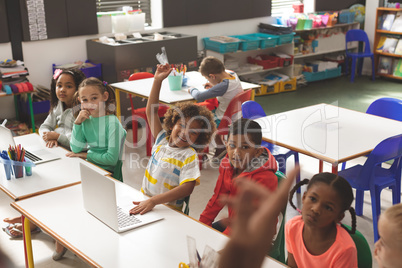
223 85
245 158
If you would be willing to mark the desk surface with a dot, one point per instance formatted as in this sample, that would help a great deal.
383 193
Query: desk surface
45 177
160 244
143 87
329 133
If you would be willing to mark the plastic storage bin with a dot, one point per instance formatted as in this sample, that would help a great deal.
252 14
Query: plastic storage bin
91 71
248 42
331 73
267 61
315 76
266 40
285 38
17 168
346 17
285 62
288 85
221 47
267 90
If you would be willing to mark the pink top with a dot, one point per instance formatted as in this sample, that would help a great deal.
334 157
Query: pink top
342 253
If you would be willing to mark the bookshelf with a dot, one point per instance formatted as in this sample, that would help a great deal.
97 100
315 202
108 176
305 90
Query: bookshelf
379 33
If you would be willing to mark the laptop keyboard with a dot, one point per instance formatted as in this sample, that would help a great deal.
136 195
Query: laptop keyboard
125 220
32 157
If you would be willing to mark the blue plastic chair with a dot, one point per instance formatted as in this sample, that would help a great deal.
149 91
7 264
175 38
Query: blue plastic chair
253 110
385 107
360 36
373 177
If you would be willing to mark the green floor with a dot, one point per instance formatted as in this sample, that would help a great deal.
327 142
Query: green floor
338 91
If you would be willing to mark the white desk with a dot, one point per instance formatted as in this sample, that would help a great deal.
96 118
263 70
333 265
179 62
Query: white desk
142 88
160 244
328 133
45 177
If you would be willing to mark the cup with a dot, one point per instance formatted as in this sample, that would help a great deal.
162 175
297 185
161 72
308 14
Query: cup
28 171
18 171
175 82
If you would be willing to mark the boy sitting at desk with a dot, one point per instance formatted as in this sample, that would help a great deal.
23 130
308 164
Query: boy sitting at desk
245 158
223 85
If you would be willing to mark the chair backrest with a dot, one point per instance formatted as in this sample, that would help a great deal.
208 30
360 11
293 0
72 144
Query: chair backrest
364 259
360 36
140 75
388 149
233 108
252 110
386 107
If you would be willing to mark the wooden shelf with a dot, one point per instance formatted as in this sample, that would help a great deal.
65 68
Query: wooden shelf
387 32
325 28
388 54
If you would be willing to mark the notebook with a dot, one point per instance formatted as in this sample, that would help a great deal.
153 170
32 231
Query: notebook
99 195
36 153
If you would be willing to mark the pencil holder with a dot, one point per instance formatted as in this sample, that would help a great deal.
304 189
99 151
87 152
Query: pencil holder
175 82
17 168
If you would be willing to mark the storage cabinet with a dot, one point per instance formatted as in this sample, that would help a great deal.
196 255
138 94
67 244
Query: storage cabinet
378 34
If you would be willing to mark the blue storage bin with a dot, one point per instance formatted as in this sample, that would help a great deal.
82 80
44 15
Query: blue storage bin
311 77
91 71
248 42
285 38
39 107
266 40
331 73
346 17
220 47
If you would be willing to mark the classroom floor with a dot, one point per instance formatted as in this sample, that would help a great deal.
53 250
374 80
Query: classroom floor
338 91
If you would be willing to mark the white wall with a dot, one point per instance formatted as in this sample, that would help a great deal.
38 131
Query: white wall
40 55
369 28
6 103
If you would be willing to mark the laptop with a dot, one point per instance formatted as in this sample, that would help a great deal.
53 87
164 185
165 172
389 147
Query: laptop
99 195
36 153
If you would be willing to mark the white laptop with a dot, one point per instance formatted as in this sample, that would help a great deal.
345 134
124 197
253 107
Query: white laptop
36 153
99 195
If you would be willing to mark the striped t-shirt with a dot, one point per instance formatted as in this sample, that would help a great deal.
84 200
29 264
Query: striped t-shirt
168 168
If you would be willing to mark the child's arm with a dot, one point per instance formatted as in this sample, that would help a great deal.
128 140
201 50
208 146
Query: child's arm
179 192
215 91
291 261
155 125
78 141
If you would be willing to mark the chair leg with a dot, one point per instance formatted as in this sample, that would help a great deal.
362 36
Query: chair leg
376 209
372 68
360 66
359 202
343 166
353 70
296 154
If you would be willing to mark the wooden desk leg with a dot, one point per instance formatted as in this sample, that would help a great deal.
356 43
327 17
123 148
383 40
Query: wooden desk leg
118 110
320 166
31 112
29 263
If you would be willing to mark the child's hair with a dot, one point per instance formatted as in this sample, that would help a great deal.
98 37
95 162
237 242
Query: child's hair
247 127
339 184
77 75
394 216
211 65
103 87
198 113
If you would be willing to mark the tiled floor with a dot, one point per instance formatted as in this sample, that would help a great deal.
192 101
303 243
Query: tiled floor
133 170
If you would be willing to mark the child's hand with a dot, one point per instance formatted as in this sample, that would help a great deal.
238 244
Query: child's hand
80 155
142 207
51 135
82 116
208 85
162 71
51 143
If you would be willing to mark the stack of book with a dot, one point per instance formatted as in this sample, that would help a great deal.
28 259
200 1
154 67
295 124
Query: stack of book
387 65
391 22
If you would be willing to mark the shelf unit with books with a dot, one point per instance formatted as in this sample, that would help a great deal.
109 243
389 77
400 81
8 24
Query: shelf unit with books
388 43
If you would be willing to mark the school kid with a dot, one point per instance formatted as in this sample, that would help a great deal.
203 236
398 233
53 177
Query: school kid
173 169
97 127
245 158
223 85
57 127
315 238
254 223
388 248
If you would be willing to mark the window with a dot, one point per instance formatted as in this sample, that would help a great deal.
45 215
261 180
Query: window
113 5
282 7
